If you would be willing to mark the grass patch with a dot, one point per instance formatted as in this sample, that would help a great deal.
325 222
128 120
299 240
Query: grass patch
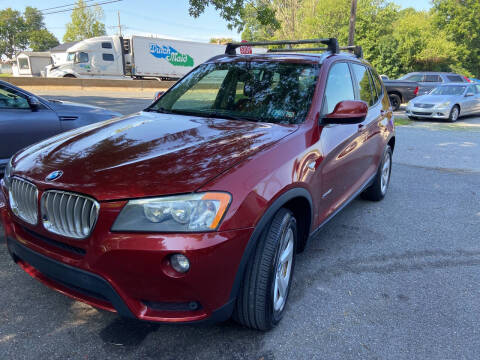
402 120
5 75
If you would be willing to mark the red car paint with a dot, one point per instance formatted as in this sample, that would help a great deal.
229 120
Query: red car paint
150 154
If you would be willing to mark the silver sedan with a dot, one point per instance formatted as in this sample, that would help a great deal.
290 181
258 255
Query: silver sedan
446 102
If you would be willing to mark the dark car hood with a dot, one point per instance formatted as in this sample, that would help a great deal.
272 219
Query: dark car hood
70 108
145 154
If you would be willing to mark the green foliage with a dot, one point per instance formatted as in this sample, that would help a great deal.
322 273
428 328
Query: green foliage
233 11
22 31
85 23
395 41
460 21
42 40
222 41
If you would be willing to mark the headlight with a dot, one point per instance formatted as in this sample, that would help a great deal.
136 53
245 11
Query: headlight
444 104
180 213
7 176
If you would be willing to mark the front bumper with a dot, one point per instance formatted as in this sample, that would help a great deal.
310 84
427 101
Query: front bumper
130 273
432 113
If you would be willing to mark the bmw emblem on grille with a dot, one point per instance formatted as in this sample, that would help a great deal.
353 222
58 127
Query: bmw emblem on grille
54 175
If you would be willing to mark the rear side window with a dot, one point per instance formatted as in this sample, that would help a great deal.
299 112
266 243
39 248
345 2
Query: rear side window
107 57
454 78
377 82
339 87
415 77
106 45
364 84
433 78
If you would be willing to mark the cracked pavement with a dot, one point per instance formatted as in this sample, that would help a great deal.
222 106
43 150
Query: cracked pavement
398 279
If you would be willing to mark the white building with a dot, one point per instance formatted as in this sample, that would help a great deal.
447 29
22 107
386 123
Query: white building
31 63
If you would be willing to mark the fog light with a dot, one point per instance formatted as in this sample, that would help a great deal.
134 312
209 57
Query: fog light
180 263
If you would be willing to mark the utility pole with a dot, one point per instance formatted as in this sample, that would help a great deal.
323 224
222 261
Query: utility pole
119 24
353 18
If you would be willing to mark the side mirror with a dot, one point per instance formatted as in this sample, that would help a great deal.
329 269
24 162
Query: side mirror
34 103
347 112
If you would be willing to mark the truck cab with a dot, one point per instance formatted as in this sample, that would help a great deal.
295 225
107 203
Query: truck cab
95 57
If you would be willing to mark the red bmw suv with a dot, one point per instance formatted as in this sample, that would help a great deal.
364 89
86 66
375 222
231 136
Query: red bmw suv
193 210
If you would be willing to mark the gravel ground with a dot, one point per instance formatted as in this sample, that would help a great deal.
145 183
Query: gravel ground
398 279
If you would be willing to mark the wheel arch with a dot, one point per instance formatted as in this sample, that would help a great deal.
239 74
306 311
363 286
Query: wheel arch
299 201
391 143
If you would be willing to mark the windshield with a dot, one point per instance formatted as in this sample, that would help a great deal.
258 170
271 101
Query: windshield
272 92
449 90
71 56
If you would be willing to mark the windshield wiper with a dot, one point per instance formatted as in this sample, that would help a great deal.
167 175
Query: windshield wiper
209 115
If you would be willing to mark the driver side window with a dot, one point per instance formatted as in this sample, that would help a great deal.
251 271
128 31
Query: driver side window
339 87
11 99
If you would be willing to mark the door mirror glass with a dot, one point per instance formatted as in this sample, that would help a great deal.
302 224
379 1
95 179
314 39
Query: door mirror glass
347 112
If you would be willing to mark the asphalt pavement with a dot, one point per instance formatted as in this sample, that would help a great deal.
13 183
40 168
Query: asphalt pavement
397 279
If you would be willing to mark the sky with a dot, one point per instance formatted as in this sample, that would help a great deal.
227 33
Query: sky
162 17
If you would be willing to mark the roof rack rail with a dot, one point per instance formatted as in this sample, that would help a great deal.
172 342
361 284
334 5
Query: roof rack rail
357 50
332 45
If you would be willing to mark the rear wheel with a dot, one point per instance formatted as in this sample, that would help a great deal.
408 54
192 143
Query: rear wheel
378 189
266 284
395 101
412 118
69 76
454 114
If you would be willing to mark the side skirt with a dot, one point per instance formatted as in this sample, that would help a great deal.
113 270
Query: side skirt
353 197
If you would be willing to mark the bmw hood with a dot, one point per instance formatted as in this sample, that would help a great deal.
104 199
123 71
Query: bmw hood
145 154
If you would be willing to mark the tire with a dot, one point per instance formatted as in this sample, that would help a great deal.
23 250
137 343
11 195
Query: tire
379 187
395 101
412 118
454 114
255 306
69 76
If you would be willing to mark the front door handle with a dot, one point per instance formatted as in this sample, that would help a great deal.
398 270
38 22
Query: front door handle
361 127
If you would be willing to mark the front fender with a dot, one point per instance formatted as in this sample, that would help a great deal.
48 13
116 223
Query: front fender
278 203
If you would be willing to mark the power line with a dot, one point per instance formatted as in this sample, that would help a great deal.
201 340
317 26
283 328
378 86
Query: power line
82 7
62 6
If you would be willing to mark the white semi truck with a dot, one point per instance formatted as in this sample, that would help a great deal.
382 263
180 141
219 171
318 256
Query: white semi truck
115 57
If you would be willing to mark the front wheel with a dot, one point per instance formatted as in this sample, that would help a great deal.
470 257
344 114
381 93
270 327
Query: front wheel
378 189
454 114
266 284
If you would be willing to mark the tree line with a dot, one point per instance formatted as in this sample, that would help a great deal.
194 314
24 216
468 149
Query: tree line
396 41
